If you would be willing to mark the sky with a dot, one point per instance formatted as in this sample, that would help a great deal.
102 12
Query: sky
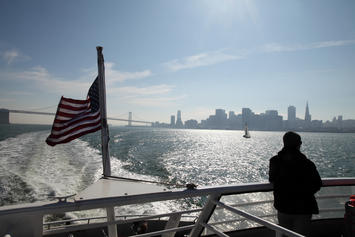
188 55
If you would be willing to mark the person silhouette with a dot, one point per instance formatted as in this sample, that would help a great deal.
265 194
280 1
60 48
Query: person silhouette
295 180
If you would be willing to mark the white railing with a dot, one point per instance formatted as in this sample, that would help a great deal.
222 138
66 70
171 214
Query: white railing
211 225
134 218
213 203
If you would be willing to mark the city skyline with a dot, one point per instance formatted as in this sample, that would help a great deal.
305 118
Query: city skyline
305 116
193 55
179 117
270 120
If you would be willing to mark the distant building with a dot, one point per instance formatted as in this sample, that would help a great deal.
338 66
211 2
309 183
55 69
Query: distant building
334 120
271 113
270 121
231 115
291 122
349 123
217 121
221 118
291 113
234 121
4 116
190 124
316 124
172 121
340 122
247 116
179 123
307 116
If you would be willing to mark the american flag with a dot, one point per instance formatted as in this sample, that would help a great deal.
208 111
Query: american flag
75 118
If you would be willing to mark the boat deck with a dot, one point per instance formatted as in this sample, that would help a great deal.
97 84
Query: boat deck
224 212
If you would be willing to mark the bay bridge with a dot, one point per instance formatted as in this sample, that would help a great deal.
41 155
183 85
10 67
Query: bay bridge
5 116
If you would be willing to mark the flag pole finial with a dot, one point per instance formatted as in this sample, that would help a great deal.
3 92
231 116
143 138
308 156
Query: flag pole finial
99 49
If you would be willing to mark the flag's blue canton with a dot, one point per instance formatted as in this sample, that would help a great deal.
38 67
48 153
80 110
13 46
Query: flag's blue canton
94 95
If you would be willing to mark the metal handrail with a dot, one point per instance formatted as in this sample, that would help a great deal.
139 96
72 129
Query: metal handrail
99 225
80 205
258 220
240 219
125 220
146 217
331 210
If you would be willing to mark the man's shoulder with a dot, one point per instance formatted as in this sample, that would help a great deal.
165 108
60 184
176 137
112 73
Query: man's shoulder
274 158
305 158
307 163
310 163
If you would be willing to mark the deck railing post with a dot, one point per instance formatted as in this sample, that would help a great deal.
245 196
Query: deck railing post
205 215
112 228
173 222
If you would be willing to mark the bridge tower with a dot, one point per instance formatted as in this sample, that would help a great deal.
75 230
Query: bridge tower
130 119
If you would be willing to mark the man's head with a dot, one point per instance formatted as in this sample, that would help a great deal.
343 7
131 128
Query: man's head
292 140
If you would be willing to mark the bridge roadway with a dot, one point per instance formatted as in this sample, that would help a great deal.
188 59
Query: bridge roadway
108 118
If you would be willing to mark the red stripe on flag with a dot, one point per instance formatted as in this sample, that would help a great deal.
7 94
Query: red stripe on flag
53 143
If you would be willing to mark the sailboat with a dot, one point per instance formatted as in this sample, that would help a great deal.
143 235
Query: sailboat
246 132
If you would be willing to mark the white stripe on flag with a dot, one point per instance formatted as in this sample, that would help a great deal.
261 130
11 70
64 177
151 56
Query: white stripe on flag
68 111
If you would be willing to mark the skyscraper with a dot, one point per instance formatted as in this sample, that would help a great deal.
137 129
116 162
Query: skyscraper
246 116
307 116
291 113
221 114
172 121
179 123
231 115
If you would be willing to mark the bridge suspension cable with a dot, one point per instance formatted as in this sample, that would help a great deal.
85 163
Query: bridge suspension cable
49 113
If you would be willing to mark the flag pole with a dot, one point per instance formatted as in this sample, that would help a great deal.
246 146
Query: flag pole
104 128
112 229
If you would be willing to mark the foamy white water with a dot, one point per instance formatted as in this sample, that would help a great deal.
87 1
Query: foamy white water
55 171
30 170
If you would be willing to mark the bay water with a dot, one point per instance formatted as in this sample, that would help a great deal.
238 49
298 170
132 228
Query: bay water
30 170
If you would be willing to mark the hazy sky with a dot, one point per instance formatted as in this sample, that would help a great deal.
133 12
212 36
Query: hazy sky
196 56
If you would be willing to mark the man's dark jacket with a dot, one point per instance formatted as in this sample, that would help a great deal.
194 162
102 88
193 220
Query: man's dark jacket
296 180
